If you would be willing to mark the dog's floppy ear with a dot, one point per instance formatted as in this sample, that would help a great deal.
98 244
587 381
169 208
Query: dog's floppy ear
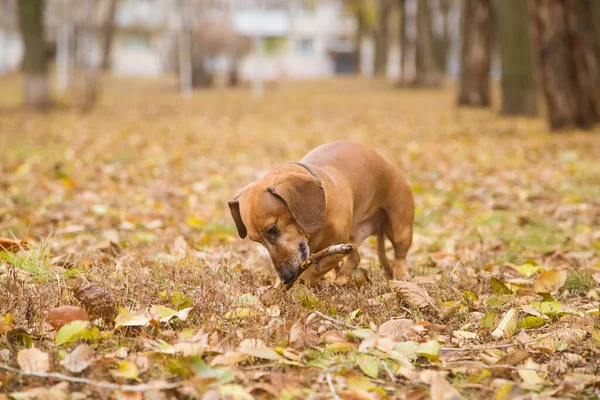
234 207
304 197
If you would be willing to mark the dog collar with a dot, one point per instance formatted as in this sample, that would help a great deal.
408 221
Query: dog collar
309 169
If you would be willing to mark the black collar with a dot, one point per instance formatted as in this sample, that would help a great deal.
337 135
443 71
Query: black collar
309 169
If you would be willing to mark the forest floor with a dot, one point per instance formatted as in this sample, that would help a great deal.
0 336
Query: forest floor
124 210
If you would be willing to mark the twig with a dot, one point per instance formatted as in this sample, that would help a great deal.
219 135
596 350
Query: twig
482 365
331 388
143 387
387 370
333 320
318 256
502 346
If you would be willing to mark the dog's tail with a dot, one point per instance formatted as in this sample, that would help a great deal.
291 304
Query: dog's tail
382 256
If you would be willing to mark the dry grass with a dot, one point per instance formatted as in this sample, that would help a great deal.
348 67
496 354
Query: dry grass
146 168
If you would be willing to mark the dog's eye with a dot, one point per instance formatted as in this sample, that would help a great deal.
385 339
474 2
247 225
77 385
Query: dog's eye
273 230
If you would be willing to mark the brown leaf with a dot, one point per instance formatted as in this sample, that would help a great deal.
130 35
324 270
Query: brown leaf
441 389
413 294
98 302
33 360
355 394
60 316
12 245
400 329
56 392
79 359
297 334
550 281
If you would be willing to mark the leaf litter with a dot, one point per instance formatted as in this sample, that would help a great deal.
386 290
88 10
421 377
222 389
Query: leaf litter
123 268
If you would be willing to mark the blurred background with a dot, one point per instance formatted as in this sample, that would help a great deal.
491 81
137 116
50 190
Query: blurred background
546 49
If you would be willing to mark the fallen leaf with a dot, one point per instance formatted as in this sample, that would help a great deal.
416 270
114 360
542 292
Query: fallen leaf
413 294
297 334
527 269
508 325
79 359
69 332
550 281
126 370
356 394
57 317
429 350
33 360
12 245
257 348
165 314
56 392
228 359
369 365
441 389
340 347
531 378
400 329
126 318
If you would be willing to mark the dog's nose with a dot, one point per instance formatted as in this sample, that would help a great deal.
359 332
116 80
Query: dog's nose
287 276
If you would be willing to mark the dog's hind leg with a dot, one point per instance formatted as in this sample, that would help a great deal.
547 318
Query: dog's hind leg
399 230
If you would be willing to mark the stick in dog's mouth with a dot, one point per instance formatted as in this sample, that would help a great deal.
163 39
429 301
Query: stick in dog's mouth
318 256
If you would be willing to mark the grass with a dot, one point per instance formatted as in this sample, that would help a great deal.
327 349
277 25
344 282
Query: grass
134 198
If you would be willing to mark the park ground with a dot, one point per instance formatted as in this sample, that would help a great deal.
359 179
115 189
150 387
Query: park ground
132 197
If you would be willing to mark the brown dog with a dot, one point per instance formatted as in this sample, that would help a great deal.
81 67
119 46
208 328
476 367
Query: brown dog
340 192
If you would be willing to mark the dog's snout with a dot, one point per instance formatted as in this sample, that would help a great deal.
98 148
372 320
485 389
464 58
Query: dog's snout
304 251
287 276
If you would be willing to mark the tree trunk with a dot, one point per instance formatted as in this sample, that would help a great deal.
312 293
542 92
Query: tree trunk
108 32
519 96
427 69
403 41
566 48
476 53
381 37
442 43
35 63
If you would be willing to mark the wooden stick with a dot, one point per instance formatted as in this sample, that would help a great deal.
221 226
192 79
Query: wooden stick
142 387
503 346
318 256
333 320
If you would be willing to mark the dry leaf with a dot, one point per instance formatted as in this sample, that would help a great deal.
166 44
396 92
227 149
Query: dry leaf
550 281
97 301
12 245
228 359
413 294
79 359
400 330
56 392
257 348
57 317
508 325
33 360
441 389
297 334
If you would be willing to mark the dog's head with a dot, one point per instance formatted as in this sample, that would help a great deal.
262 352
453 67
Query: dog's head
281 211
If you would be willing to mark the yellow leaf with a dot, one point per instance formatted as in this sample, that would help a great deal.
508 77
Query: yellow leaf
550 281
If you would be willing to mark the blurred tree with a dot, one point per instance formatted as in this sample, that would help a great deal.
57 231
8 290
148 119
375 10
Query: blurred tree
476 53
442 41
35 63
519 96
566 49
381 33
428 72
403 39
108 32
